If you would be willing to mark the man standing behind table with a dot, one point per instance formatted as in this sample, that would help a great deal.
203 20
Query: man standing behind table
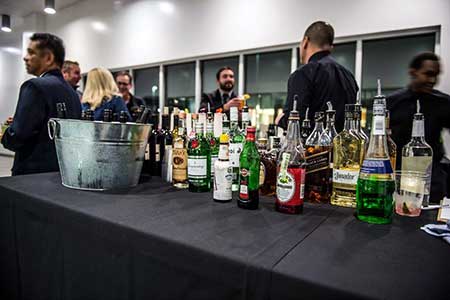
72 74
424 70
224 97
28 135
125 83
320 78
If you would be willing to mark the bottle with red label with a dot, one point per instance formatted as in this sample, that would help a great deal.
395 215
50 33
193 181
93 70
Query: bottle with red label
291 169
249 172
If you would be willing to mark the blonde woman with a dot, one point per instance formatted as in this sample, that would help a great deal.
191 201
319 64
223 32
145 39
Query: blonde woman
101 93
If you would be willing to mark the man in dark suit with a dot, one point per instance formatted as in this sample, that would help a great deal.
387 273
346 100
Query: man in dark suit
224 97
320 78
28 136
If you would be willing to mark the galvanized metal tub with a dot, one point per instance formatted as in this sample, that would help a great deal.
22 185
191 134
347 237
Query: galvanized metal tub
99 155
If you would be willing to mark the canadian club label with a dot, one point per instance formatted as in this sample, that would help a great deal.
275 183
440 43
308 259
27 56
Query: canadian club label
317 162
243 188
291 186
179 160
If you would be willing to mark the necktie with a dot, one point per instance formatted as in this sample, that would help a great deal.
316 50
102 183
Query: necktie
225 98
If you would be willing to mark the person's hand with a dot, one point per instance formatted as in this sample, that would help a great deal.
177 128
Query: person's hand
9 121
235 102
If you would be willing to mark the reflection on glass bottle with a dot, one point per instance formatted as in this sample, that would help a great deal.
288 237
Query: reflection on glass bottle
318 171
417 155
374 192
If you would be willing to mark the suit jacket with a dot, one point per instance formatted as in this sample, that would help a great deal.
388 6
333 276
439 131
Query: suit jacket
215 101
28 135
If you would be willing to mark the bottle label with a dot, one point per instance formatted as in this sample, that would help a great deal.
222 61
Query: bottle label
222 181
291 186
234 114
379 126
372 166
235 152
345 176
243 184
412 183
179 164
317 162
213 161
418 128
197 167
262 174
421 164
223 152
157 153
245 117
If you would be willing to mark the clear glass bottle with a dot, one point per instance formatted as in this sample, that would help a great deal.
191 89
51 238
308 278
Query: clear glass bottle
236 144
392 147
318 171
347 161
376 185
306 127
223 178
291 169
179 154
330 116
417 155
199 162
249 163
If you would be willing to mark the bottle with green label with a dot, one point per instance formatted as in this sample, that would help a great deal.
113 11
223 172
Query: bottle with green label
199 162
376 185
249 172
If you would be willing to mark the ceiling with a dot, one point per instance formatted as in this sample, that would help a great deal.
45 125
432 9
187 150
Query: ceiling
22 8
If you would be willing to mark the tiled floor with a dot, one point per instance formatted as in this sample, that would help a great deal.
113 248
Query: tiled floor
5 165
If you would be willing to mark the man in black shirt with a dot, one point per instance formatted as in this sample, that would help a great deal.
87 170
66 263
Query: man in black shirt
320 79
224 97
124 83
435 105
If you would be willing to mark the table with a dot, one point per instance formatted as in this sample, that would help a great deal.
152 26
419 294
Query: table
157 242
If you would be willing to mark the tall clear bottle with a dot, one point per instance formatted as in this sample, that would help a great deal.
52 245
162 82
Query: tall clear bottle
199 162
179 154
237 139
291 169
347 160
376 185
318 171
417 155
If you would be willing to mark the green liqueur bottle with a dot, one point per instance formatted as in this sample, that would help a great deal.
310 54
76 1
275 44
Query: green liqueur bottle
199 162
374 201
249 174
236 144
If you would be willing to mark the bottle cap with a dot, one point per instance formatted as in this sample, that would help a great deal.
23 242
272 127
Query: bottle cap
294 115
224 139
251 129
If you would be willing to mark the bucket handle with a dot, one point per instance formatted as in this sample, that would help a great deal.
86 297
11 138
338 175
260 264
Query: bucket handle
52 125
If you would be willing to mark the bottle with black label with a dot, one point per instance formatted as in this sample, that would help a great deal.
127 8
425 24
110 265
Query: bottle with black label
318 171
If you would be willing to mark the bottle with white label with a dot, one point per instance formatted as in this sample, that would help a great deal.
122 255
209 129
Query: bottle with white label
223 173
417 155
347 159
291 175
236 144
199 162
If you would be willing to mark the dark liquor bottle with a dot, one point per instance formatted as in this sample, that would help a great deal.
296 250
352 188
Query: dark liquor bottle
318 171
306 127
199 162
249 163
374 200
61 112
107 115
165 142
123 118
291 174
88 115
268 172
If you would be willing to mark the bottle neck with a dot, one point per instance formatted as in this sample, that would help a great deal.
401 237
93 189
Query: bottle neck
378 148
418 131
293 132
318 126
348 124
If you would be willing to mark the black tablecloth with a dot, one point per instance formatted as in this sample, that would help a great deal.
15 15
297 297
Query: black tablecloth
156 242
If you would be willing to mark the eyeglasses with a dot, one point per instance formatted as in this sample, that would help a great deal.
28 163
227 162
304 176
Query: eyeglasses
122 83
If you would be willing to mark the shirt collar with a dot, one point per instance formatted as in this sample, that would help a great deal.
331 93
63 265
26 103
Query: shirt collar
319 55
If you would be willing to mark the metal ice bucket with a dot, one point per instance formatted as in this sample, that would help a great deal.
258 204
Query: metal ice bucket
99 155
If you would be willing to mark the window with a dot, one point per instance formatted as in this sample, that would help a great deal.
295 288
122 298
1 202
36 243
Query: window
210 68
388 60
266 76
180 86
146 86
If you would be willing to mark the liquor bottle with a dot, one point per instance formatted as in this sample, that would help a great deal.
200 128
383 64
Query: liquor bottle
268 172
155 148
223 171
61 111
306 127
236 144
179 154
107 115
291 174
330 116
249 163
358 130
318 171
245 117
87 115
165 142
347 161
392 147
417 155
199 162
374 200
271 131
123 118
213 146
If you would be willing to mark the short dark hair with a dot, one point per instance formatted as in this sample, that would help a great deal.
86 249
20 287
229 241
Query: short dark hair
221 70
68 64
53 43
417 61
124 73
320 33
